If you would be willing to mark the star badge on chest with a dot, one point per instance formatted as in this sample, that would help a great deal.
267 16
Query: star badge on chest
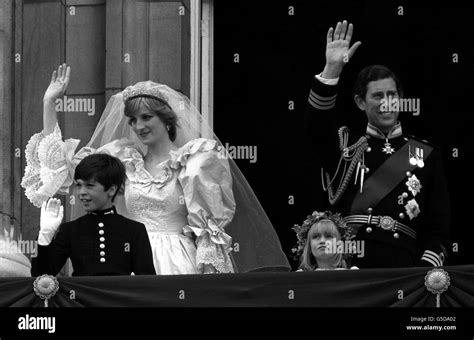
388 149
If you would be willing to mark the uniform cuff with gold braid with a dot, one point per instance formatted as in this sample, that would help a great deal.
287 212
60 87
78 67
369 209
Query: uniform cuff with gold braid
433 258
322 100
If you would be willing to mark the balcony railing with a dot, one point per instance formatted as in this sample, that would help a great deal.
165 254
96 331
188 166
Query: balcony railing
451 286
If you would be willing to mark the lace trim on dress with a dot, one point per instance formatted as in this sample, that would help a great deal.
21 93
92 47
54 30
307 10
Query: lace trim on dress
49 166
31 179
56 161
136 171
45 146
213 246
214 254
31 153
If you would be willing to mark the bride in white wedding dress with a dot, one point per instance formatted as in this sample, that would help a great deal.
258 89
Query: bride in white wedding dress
193 199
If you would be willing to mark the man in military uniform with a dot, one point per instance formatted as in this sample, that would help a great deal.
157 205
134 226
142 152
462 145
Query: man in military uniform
390 187
101 242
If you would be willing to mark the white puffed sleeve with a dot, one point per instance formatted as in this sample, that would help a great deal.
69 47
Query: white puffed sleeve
207 185
50 164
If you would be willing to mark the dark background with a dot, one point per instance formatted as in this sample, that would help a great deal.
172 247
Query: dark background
280 53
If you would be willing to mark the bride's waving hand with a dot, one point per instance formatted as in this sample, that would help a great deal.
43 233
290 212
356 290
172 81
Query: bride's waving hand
183 188
56 89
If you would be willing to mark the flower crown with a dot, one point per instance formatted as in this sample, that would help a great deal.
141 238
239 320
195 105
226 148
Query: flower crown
303 229
143 89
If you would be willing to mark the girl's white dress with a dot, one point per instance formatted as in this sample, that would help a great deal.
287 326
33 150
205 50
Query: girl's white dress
185 207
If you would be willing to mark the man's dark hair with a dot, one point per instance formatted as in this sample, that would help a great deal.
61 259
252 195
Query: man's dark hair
103 168
373 73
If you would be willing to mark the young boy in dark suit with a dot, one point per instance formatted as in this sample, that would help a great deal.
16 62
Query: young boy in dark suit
101 242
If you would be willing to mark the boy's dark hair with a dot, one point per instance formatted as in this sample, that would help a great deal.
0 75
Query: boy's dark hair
103 168
373 73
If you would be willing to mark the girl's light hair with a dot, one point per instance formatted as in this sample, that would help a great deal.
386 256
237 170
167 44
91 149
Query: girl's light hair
308 261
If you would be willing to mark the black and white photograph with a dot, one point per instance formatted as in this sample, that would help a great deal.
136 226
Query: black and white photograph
249 168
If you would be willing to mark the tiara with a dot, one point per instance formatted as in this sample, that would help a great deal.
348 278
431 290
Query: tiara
143 89
302 230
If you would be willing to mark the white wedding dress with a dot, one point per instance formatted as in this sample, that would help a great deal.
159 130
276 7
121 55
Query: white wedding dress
185 207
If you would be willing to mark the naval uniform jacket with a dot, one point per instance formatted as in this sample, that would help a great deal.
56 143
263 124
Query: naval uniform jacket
99 243
382 247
